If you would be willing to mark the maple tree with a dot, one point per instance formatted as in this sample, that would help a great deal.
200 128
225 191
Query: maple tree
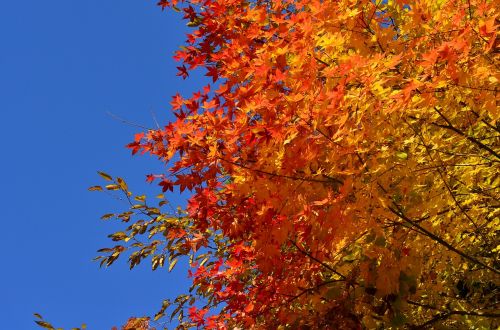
343 165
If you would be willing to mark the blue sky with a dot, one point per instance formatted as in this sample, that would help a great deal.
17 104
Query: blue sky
64 65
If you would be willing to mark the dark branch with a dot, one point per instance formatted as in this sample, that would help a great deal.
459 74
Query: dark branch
441 241
295 178
317 260
459 132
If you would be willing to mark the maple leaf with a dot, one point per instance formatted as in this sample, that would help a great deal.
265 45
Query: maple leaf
213 72
177 102
343 172
182 71
165 185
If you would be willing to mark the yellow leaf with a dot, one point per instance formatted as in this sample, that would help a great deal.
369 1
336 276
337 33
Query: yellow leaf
112 187
122 184
172 265
402 155
107 216
105 176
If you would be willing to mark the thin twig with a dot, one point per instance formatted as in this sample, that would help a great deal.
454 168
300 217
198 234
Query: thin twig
441 241
295 178
317 260
459 132
122 120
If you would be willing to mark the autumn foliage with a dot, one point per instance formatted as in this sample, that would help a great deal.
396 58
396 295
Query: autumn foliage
343 165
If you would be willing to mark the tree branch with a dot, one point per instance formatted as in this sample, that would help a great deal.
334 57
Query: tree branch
317 260
295 178
441 241
459 132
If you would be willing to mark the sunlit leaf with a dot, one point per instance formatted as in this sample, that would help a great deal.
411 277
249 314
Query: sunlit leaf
105 176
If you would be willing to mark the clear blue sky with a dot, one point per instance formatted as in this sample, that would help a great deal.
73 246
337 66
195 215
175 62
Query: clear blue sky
63 65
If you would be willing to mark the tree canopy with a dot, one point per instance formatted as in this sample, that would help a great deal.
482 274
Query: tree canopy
343 166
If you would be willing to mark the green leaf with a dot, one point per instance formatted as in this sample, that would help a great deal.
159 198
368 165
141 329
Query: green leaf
402 155
350 257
